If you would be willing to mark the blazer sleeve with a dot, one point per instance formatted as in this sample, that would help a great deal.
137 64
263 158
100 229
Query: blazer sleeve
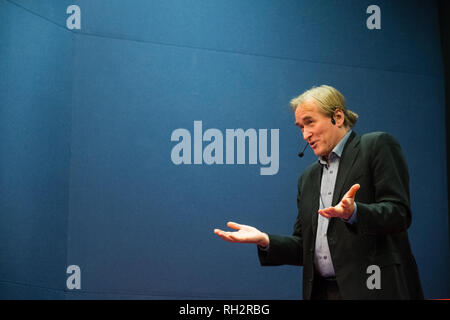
390 211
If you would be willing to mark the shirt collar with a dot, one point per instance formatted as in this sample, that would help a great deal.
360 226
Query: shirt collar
337 150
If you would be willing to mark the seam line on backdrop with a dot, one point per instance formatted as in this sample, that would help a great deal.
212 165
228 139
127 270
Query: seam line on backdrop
119 37
130 293
37 14
167 294
17 283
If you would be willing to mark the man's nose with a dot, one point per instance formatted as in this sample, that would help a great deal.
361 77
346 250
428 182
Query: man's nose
306 135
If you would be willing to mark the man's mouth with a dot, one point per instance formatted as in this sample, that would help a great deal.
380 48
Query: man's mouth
312 144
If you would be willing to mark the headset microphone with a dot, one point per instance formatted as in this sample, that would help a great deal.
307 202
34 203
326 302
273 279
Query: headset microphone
301 154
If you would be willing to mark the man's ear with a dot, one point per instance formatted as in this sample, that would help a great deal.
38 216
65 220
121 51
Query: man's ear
339 117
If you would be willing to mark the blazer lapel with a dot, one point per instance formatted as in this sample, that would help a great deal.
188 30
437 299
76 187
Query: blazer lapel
346 163
316 176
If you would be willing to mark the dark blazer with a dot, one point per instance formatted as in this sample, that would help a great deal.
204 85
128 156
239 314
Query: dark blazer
378 237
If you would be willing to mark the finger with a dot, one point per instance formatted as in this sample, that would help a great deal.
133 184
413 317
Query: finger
234 225
330 212
225 236
221 233
218 231
324 213
352 192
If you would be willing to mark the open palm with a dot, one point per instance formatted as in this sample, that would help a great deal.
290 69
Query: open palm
244 234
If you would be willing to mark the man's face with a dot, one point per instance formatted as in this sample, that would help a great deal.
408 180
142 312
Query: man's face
317 128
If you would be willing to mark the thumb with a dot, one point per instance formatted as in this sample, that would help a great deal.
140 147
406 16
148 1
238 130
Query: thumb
352 192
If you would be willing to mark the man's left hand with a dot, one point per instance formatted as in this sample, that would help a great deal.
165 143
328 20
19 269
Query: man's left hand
343 209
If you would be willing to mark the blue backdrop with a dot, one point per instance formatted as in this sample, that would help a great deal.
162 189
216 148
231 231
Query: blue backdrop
86 118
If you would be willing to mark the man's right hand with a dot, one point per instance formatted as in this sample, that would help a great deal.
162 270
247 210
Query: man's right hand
245 234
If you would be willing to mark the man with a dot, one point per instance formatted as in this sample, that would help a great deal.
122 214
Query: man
350 235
